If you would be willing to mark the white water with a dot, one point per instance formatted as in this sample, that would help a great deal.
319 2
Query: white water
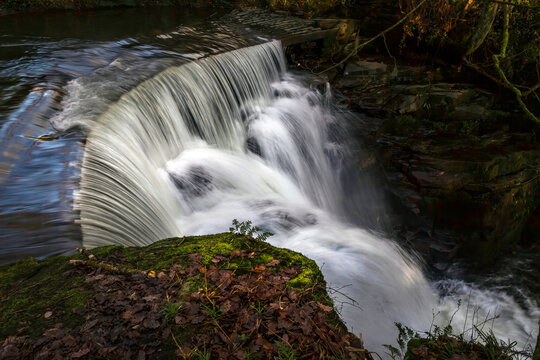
172 157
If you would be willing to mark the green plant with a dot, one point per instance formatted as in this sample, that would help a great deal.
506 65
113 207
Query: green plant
169 310
212 311
443 343
248 354
285 352
243 337
202 355
405 333
245 228
259 309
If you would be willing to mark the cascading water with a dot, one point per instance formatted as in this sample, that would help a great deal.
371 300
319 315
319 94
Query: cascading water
234 136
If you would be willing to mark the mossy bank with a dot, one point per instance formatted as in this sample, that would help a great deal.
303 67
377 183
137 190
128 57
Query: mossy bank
224 295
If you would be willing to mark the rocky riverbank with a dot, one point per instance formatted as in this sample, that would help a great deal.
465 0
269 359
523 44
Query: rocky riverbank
224 296
461 166
217 296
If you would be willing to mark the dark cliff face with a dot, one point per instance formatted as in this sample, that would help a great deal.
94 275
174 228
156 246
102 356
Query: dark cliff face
461 167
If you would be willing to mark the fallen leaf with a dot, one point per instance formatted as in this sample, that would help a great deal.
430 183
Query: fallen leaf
137 318
162 276
141 355
194 257
80 353
236 253
306 327
151 323
198 319
226 306
325 307
48 314
89 325
273 262
151 298
127 314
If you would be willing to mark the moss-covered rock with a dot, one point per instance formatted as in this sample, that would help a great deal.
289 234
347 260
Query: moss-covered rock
225 295
34 295
163 254
449 347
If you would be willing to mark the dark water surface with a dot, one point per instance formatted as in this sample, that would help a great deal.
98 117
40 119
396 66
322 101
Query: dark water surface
58 71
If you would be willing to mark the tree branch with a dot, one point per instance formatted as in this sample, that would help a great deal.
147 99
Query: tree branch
500 72
367 42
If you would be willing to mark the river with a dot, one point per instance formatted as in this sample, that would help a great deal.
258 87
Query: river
132 125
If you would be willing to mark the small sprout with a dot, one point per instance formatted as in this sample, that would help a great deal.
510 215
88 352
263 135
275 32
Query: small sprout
243 337
212 311
202 355
170 310
259 309
284 352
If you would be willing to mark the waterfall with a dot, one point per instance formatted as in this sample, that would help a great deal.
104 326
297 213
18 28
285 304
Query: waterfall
123 197
234 136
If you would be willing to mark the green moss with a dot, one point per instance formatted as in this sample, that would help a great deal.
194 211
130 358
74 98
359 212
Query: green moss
413 344
448 347
192 284
264 258
305 278
163 254
31 288
106 250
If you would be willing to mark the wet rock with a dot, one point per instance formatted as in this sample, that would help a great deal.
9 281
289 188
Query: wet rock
451 163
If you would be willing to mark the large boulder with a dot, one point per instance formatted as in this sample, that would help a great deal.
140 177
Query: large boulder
223 296
454 165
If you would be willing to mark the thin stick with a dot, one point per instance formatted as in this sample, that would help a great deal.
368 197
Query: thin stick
365 43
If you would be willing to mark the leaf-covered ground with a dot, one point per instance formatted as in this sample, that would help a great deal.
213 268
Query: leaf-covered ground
223 296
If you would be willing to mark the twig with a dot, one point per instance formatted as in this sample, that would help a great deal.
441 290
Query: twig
482 72
514 4
275 334
531 90
353 302
179 347
108 267
367 42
